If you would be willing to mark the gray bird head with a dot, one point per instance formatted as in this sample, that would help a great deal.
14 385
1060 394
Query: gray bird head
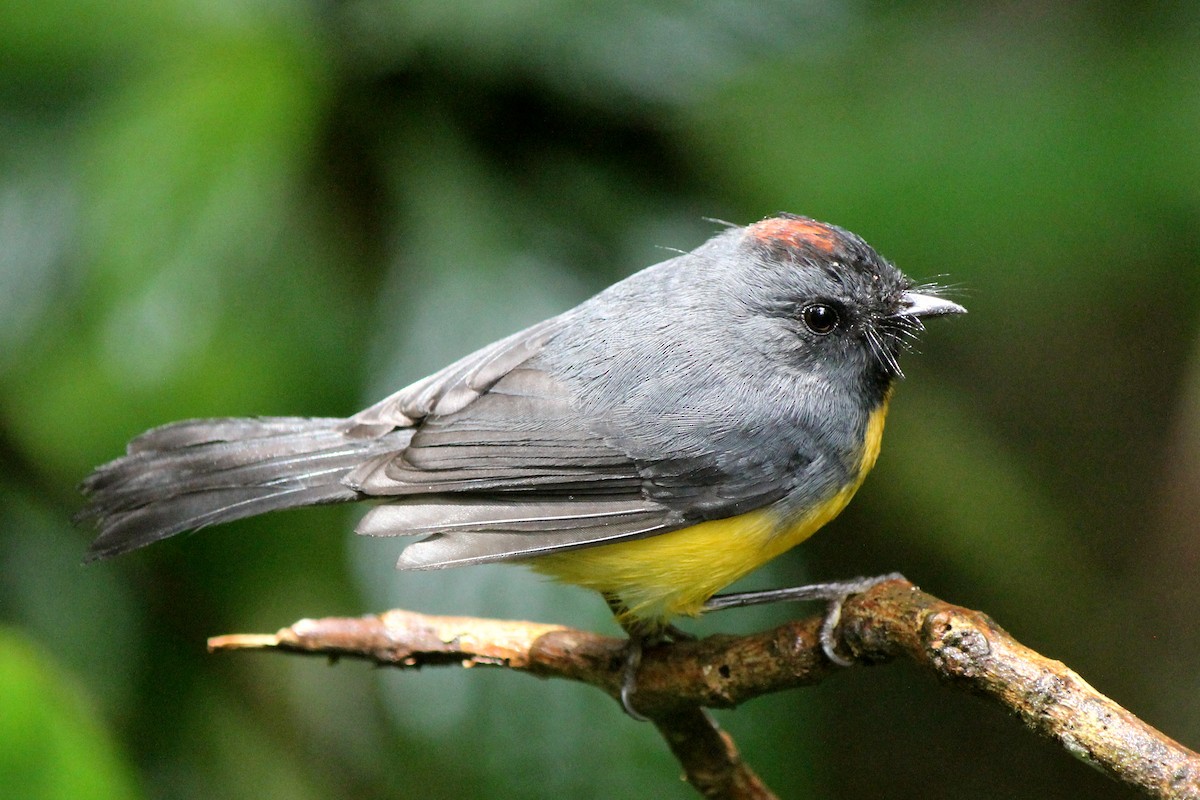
849 309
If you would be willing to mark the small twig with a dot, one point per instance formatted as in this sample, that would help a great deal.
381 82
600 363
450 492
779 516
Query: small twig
709 757
962 647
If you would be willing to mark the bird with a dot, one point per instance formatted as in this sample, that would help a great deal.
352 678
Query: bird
654 444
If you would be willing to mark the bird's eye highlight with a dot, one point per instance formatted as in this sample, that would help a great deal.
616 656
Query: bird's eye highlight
820 318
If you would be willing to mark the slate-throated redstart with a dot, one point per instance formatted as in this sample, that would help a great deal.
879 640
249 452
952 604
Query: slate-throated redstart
655 443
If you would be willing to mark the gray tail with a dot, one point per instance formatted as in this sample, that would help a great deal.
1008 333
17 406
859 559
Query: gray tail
195 473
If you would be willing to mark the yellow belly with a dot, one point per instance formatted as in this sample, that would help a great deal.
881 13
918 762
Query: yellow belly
673 574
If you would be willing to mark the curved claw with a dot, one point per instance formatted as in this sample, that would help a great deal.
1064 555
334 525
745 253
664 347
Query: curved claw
833 615
640 633
629 669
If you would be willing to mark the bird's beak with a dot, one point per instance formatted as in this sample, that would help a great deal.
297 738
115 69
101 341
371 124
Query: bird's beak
913 304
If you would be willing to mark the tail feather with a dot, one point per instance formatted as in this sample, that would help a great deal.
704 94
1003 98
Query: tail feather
183 433
192 474
136 480
165 455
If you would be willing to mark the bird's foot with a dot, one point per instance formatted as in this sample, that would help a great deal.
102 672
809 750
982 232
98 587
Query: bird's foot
833 594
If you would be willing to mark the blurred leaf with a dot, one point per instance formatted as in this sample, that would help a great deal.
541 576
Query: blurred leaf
219 747
85 617
942 470
38 210
188 219
50 39
607 53
209 142
52 747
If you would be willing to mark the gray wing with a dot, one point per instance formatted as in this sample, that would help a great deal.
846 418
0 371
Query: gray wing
457 385
505 462
500 465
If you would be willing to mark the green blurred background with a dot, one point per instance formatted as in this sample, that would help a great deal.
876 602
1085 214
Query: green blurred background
237 208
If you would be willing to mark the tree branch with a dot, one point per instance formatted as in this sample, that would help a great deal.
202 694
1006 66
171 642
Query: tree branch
964 648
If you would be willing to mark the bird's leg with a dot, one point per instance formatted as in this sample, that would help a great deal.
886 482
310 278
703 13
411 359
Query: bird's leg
834 595
632 657
641 634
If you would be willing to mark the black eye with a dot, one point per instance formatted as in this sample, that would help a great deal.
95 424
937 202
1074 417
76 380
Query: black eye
820 318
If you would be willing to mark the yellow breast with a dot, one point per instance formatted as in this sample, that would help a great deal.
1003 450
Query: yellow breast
672 574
